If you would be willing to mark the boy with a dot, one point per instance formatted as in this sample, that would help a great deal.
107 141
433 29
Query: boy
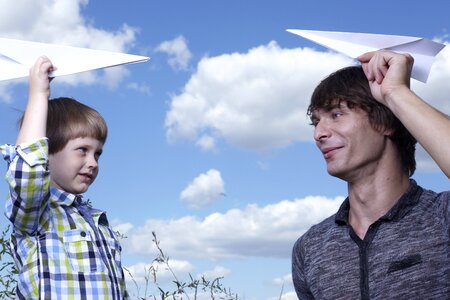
63 248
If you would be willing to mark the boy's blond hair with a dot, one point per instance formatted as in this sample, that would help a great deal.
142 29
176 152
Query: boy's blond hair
69 119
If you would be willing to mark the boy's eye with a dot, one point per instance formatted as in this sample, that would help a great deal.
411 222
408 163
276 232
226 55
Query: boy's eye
97 155
82 150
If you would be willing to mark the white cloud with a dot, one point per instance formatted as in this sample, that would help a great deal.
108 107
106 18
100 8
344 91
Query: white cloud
146 277
254 231
286 296
435 92
5 93
178 51
141 271
206 142
217 272
283 281
61 22
436 89
204 189
122 228
140 88
255 100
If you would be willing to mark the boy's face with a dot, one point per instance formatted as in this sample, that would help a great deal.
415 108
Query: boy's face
75 167
350 145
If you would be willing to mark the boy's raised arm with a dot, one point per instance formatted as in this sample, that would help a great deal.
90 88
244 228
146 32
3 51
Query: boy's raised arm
389 77
35 118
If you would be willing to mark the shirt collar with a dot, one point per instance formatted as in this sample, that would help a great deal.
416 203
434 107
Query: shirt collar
63 197
68 199
406 202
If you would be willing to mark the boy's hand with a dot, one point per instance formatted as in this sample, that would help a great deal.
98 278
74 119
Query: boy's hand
39 81
35 118
387 73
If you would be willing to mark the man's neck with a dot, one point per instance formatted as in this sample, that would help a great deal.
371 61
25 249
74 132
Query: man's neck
371 198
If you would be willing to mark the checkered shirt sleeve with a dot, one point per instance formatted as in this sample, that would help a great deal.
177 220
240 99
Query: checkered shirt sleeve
58 254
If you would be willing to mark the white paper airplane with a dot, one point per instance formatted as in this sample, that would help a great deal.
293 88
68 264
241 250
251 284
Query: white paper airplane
17 57
354 44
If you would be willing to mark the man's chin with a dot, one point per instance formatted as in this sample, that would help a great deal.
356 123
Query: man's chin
336 172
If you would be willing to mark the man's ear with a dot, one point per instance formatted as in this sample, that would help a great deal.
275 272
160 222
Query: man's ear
388 132
384 130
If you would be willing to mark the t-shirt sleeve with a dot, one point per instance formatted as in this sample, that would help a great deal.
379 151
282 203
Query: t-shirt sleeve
298 272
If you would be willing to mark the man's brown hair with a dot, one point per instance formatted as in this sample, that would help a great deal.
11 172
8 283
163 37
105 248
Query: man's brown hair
350 85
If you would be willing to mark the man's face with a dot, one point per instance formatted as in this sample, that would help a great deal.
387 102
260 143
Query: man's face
75 167
350 146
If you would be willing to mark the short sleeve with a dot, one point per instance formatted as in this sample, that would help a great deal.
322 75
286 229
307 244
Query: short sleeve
298 272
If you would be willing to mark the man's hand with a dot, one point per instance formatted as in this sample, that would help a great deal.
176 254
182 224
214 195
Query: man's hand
389 78
387 72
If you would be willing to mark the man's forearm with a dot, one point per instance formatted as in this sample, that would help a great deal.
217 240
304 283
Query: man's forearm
429 126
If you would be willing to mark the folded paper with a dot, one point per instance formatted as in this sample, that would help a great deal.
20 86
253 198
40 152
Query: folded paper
354 44
17 57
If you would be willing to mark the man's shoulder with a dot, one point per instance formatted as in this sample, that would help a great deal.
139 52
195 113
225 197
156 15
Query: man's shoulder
324 225
429 196
317 233
435 201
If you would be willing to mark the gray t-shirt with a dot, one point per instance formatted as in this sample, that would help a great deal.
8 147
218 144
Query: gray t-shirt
404 255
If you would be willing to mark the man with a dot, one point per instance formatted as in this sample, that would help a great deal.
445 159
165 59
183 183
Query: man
390 238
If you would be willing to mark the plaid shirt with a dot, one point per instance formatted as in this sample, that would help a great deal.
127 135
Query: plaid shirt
58 253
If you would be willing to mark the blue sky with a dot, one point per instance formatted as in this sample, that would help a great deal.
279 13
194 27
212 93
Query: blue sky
209 144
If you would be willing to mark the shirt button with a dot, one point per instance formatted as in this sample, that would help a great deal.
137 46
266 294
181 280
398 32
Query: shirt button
109 256
83 233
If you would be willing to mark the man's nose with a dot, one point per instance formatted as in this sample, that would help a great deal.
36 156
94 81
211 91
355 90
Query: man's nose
321 130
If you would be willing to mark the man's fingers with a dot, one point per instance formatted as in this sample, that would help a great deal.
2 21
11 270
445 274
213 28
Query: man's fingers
366 57
375 65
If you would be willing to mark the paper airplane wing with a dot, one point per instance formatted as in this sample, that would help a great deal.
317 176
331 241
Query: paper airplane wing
17 57
354 44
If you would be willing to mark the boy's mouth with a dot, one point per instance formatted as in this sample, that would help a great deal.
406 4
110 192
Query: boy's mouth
86 176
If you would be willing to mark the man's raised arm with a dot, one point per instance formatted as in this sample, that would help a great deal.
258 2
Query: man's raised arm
389 77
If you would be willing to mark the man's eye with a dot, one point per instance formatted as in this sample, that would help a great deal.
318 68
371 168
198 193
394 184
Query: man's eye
336 114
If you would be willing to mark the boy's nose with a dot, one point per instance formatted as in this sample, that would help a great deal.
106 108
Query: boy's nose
92 162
